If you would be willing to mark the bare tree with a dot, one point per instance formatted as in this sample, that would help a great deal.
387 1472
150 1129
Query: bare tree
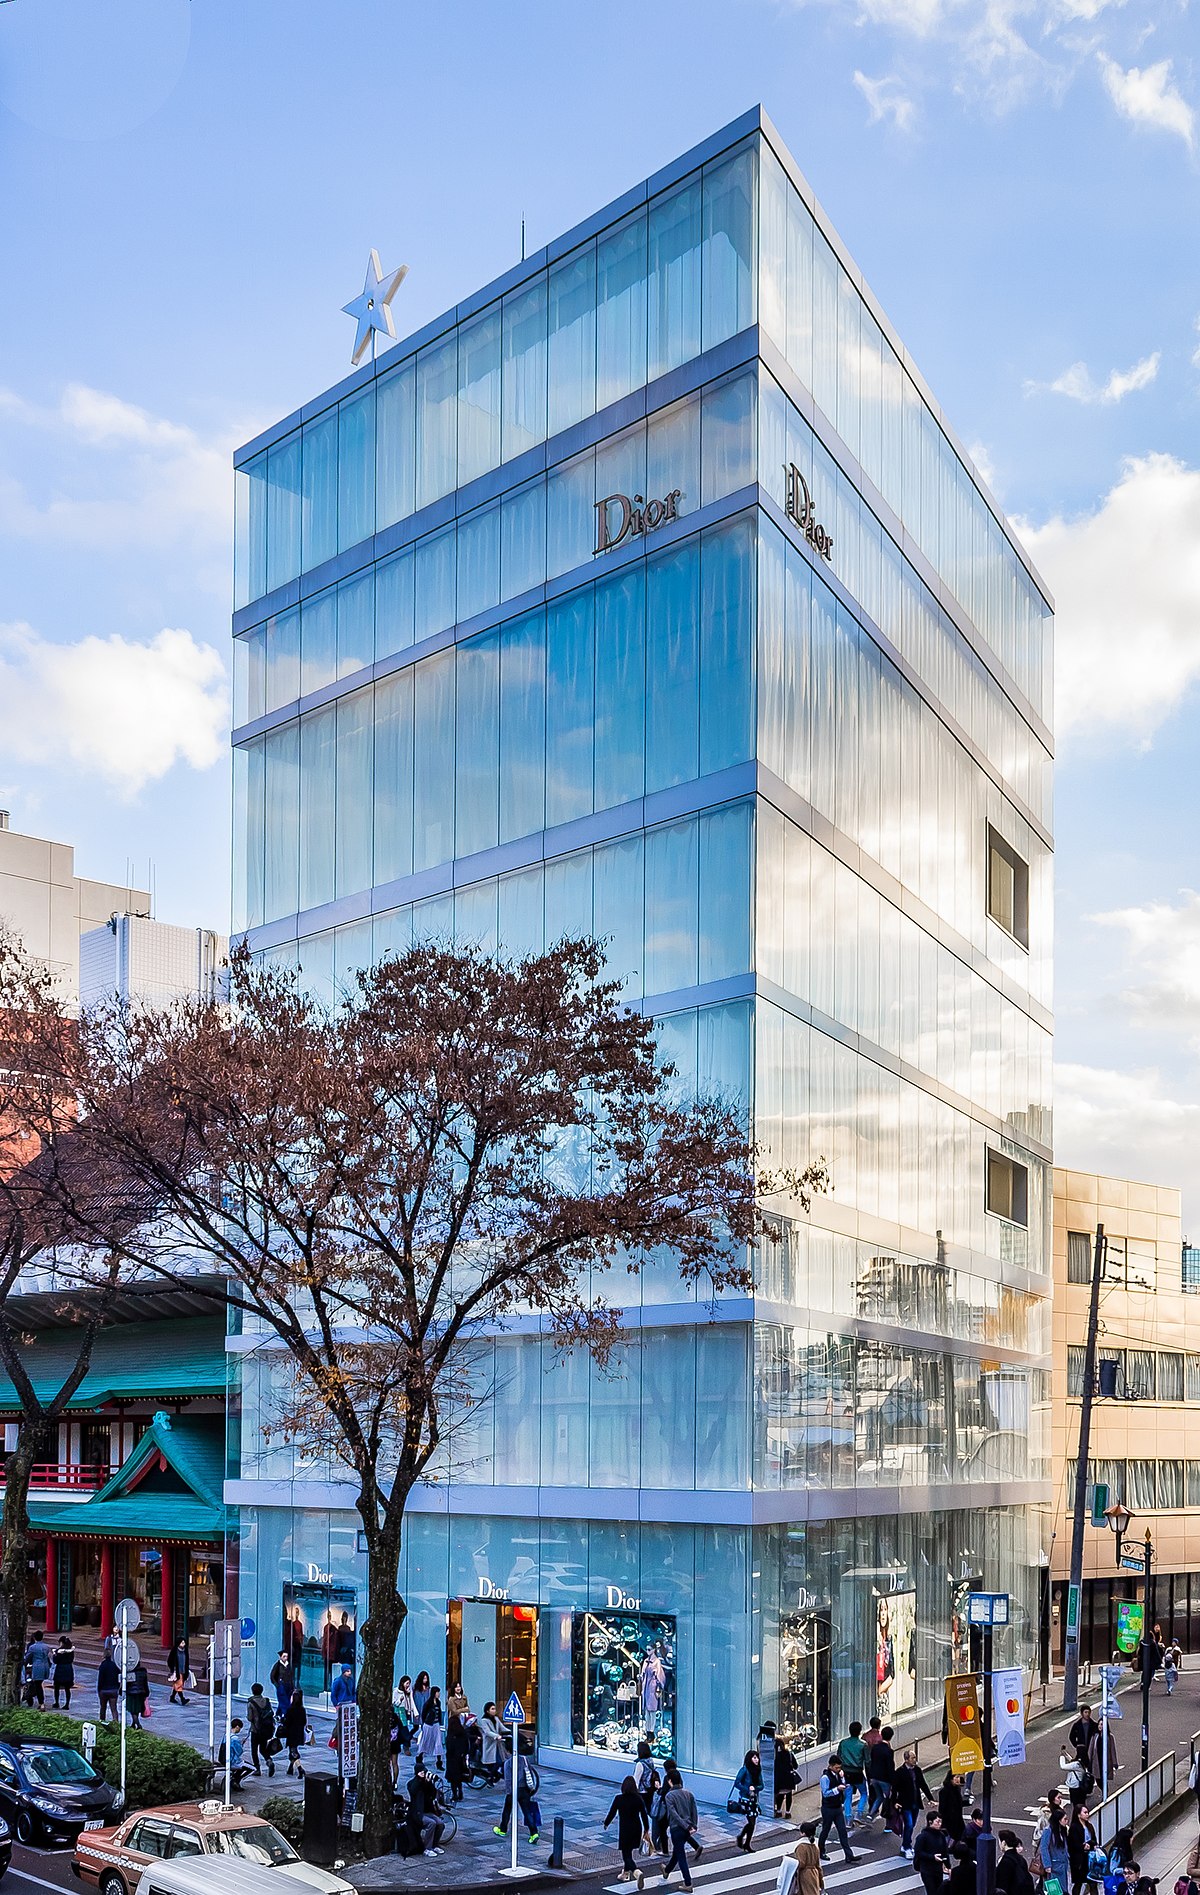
388 1180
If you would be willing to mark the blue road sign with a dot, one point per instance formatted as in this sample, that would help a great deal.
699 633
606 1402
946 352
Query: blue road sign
514 1710
247 1628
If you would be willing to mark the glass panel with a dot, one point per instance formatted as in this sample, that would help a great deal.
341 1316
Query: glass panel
353 850
673 666
672 893
437 402
395 442
283 660
251 529
725 892
523 539
621 310
433 747
248 812
283 511
479 395
318 641
433 584
728 254
726 648
618 885
281 751
320 489
674 278
477 745
393 791
572 339
524 369
356 469
727 438
570 516
569 707
523 727
318 801
479 561
356 623
394 604
620 675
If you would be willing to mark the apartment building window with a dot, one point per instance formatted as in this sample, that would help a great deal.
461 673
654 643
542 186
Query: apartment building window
1139 1484
1170 1378
1007 1188
1140 1376
1170 1483
1007 887
1193 1483
1192 1377
1079 1256
1191 1267
1075 1356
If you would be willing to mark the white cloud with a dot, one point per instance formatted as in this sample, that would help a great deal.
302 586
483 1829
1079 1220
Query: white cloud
910 16
1125 1124
1126 581
118 709
886 99
96 471
1146 96
1162 941
1076 382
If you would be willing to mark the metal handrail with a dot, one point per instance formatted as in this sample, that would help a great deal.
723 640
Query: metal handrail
1121 1808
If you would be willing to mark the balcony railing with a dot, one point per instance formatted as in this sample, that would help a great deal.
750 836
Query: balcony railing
71 1476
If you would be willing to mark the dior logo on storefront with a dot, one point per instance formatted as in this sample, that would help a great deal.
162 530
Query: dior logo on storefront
619 1601
633 517
317 1577
489 1591
798 506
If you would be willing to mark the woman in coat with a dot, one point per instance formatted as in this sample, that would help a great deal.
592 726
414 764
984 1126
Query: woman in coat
64 1670
137 1694
632 1827
456 1703
492 1731
430 1743
951 1805
810 1876
786 1778
421 1690
457 1756
746 1786
1053 1851
179 1667
291 1729
1081 1840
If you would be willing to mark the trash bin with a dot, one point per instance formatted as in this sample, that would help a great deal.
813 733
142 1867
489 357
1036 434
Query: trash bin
322 1807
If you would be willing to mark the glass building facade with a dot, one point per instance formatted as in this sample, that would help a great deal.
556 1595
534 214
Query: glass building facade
648 593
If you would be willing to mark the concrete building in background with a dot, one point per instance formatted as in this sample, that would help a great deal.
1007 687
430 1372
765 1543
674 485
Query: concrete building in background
1144 1432
648 592
49 907
138 959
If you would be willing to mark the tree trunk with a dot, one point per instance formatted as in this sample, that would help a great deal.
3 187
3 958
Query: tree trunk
14 1565
386 1613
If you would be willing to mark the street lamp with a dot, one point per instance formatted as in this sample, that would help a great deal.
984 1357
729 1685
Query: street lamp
1118 1517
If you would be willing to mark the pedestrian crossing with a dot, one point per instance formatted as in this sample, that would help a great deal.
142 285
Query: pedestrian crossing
885 1873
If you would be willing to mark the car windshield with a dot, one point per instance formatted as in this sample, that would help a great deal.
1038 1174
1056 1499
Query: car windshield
256 1843
59 1766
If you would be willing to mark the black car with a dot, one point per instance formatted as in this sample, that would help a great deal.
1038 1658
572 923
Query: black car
48 1793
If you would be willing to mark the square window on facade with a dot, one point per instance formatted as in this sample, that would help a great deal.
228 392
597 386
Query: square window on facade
1079 1257
1007 887
1007 1188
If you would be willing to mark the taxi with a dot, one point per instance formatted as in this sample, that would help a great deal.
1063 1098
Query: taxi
113 1860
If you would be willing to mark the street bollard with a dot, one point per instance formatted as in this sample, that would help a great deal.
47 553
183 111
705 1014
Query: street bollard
556 1847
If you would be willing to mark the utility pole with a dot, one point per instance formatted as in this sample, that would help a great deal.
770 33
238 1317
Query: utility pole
1075 1584
1149 1650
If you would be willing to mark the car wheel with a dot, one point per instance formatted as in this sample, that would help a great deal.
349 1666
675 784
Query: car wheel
27 1829
111 1884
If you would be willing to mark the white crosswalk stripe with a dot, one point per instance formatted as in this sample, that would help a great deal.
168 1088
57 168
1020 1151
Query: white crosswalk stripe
755 1875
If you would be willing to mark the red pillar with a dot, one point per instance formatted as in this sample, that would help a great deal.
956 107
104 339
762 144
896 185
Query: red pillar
51 1584
107 1602
168 1597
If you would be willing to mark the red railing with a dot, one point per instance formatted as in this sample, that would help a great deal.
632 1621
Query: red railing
73 1475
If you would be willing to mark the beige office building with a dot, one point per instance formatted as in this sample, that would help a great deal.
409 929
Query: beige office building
49 907
1143 1433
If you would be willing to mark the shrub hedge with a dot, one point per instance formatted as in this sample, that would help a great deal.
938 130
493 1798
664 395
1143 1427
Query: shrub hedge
287 1814
157 1769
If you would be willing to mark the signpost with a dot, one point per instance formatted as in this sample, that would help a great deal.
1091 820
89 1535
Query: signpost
1109 1709
987 1610
347 1740
126 1619
513 1715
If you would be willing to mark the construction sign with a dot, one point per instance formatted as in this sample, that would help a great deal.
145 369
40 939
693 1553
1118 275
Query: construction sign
962 1723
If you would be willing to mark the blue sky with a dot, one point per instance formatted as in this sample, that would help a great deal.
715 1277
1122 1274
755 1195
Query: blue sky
189 188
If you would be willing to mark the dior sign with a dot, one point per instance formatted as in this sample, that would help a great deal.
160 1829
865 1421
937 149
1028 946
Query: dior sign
632 516
798 506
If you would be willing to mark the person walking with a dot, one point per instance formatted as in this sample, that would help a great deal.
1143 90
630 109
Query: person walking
645 1776
881 1772
1081 1841
421 1691
931 1853
786 1778
179 1669
1082 1733
526 1801
284 1680
1013 1876
810 1876
261 1719
633 1828
746 1787
457 1756
137 1694
344 1690
64 1671
833 1809
852 1755
910 1794
952 1807
430 1742
1170 1668
1052 1849
37 1670
683 1819
492 1732
108 1684
292 1727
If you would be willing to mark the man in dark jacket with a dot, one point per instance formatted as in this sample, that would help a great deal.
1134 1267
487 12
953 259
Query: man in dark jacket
910 1793
931 1852
424 1827
108 1686
881 1772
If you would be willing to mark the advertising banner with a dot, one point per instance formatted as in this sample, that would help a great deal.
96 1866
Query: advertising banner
895 1669
1131 1617
1008 1712
962 1722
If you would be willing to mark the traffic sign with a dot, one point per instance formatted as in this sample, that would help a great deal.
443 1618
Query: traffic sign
130 1652
1099 1503
1133 1562
514 1710
127 1616
248 1628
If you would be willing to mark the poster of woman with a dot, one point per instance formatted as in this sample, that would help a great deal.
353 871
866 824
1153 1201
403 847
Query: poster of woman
895 1666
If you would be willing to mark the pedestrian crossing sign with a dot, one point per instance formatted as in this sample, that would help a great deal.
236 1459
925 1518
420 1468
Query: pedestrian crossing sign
514 1710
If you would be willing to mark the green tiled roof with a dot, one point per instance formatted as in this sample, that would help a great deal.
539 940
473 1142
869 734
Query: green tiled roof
130 1361
128 1507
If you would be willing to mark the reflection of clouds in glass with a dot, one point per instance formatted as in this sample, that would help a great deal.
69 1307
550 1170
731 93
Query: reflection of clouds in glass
79 70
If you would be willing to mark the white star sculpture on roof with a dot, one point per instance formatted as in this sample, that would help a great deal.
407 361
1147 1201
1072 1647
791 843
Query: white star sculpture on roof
372 310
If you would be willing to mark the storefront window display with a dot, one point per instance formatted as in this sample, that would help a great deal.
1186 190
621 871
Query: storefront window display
805 1642
623 1681
320 1622
895 1662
